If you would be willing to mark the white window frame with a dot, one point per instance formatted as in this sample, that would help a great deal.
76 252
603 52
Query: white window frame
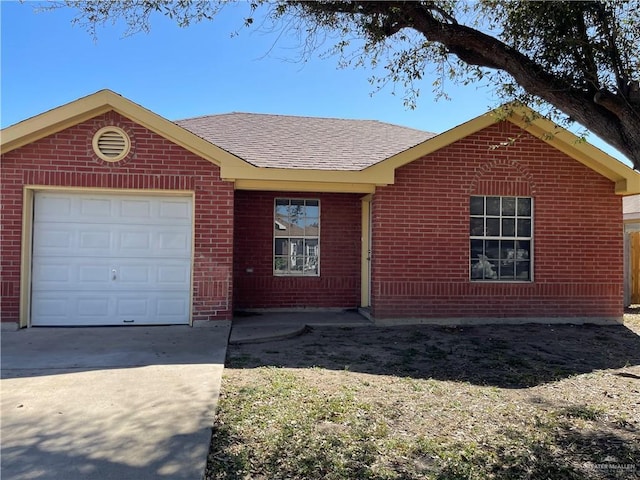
307 256
484 264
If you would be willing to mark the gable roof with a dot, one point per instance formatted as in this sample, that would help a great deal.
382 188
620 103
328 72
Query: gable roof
627 180
311 143
268 167
65 116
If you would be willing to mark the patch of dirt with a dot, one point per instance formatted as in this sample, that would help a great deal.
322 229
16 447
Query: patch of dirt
545 395
505 356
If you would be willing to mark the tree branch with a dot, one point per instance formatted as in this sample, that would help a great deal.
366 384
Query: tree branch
606 114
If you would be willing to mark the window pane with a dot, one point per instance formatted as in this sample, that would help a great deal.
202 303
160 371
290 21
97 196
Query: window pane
281 246
477 248
297 246
523 271
483 269
297 264
507 251
494 253
296 232
493 206
492 249
508 227
524 227
476 228
311 256
297 222
282 212
281 264
508 206
477 271
507 270
312 211
493 227
477 206
280 228
311 230
524 207
523 250
282 209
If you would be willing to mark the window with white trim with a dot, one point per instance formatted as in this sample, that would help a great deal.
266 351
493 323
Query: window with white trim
501 234
296 237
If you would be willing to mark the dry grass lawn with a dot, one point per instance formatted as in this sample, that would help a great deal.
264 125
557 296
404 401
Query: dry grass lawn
425 402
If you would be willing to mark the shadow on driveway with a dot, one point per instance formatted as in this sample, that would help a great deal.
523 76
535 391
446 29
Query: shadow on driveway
109 403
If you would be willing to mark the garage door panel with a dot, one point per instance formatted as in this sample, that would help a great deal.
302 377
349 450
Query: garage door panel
151 241
136 209
93 238
166 274
57 273
53 307
92 208
82 274
131 240
138 307
93 276
173 274
166 309
52 207
96 309
53 274
171 242
71 240
99 208
111 260
96 305
170 307
52 238
132 274
175 210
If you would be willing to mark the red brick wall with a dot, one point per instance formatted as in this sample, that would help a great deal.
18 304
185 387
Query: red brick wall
67 159
421 234
339 282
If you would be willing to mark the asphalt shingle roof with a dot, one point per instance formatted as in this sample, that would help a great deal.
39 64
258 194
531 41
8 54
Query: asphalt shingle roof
284 141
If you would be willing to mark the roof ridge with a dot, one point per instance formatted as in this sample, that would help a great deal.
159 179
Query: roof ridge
285 115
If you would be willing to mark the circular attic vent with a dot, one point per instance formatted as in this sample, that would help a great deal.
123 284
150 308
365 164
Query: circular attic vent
111 144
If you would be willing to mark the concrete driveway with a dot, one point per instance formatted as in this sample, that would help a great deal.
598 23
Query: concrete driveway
109 403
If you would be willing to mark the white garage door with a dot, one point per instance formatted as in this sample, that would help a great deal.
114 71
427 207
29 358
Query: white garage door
109 259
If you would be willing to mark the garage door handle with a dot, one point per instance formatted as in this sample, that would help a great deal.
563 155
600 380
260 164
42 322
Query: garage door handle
113 274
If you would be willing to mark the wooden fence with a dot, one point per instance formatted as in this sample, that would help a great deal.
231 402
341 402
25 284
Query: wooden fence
634 244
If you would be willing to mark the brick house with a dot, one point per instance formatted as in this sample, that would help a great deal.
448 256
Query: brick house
113 215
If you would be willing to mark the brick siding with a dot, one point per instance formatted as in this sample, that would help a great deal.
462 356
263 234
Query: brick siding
338 285
420 260
420 244
67 159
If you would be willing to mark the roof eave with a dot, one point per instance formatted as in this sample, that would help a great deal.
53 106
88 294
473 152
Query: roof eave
250 177
65 116
627 181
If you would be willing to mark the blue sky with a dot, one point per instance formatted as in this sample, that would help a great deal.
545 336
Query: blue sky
185 72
